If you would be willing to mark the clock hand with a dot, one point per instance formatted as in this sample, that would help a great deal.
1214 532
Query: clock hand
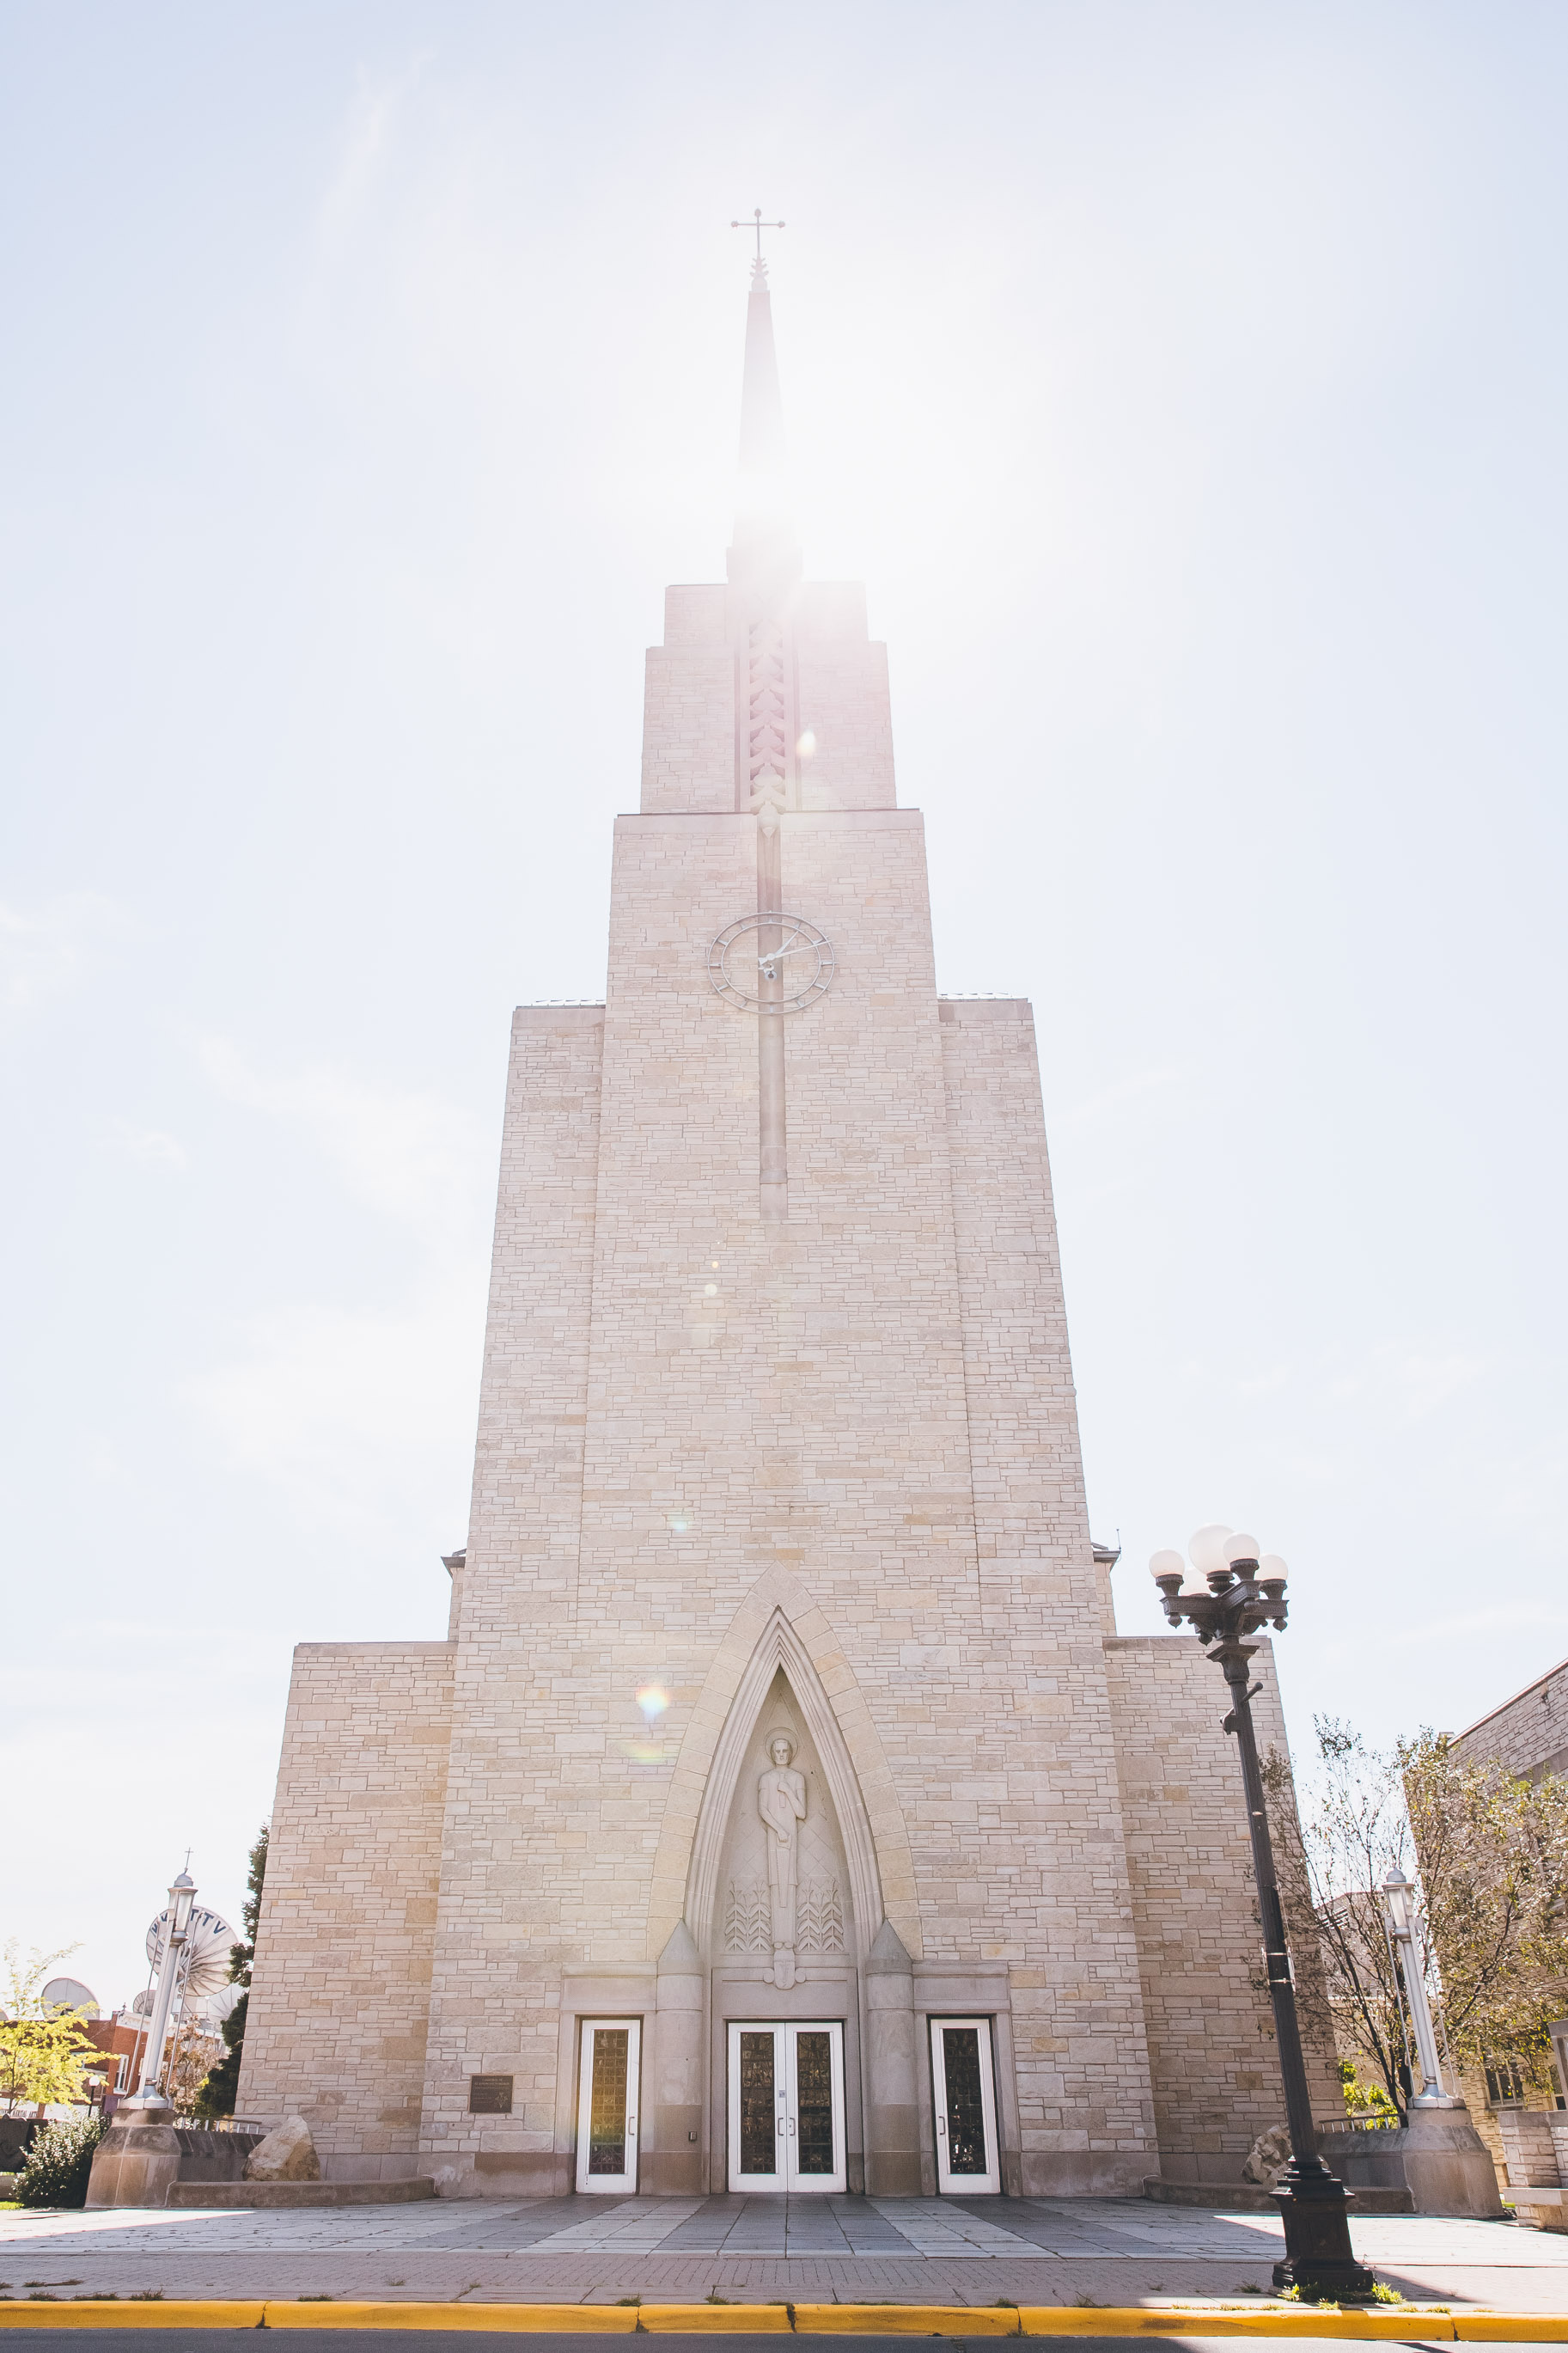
768 961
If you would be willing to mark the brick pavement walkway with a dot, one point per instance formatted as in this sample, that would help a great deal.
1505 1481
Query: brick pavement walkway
844 2249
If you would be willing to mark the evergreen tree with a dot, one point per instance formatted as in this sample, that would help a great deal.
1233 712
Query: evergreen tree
218 2094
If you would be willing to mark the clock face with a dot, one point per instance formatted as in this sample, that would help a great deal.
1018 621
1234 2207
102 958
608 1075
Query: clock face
779 962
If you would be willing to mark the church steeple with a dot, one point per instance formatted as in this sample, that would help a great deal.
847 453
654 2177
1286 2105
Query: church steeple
763 554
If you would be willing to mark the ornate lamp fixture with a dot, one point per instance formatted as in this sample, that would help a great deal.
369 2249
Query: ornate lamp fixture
182 1896
1244 1594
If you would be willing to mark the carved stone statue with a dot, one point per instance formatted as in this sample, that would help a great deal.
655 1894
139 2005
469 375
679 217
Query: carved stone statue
780 1801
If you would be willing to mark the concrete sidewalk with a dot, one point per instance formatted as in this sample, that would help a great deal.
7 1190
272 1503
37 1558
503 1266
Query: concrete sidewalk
848 2250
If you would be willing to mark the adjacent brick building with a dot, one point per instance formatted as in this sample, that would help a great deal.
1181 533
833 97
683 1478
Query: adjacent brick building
783 1809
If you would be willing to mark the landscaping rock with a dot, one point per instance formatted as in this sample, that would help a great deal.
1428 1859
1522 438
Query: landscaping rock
1268 2156
287 2155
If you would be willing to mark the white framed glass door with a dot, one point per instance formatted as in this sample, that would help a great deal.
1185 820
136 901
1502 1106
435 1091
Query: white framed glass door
607 2107
786 2106
967 2165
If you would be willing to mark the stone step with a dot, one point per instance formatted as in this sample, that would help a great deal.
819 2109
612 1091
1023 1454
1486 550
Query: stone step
300 2193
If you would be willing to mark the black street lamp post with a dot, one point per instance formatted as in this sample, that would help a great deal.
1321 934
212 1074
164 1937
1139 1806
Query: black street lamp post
1244 1594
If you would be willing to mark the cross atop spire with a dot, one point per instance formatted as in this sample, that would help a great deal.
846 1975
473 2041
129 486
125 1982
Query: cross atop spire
758 224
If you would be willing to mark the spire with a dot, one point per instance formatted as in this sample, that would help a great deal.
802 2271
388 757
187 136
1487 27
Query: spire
765 533
762 410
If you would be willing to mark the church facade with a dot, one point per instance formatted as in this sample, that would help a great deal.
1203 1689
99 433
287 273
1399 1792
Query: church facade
784 1812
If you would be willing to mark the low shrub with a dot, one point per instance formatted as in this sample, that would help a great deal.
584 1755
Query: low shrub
58 2164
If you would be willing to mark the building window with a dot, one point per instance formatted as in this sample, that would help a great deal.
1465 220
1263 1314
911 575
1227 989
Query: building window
1505 2084
489 2095
122 2071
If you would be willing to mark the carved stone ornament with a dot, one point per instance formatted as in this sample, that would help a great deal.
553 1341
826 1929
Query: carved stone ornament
781 1802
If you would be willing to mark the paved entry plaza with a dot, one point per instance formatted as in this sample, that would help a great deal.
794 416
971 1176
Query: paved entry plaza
847 2249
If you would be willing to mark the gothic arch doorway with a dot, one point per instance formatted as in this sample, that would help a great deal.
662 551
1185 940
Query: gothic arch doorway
780 1685
783 1902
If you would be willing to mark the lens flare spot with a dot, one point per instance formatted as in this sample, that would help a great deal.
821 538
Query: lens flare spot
653 1699
710 1291
806 745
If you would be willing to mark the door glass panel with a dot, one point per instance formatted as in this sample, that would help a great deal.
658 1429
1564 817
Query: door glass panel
965 2109
608 2101
759 2149
813 2102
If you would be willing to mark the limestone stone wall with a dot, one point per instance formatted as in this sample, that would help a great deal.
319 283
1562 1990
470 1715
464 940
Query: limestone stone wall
690 1415
1044 1805
689 728
1211 2039
843 699
520 1711
336 2021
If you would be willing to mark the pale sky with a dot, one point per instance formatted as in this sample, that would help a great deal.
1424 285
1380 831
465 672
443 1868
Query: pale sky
1187 384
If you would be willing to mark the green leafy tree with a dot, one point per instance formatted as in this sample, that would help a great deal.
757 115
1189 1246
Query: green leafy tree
1489 1854
1369 2101
59 2162
242 1958
1493 1849
45 2056
218 2094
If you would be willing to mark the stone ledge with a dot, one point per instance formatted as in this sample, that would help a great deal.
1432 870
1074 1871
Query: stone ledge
1246 2197
300 2193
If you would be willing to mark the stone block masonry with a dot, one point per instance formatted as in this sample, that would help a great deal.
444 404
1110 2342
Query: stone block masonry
335 2027
1212 2051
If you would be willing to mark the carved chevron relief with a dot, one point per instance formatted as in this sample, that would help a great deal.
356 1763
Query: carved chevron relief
766 735
748 1917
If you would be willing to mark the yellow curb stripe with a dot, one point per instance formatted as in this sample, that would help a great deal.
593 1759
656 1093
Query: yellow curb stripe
1522 2327
1393 2323
716 2319
590 2319
1403 2324
90 2313
905 2320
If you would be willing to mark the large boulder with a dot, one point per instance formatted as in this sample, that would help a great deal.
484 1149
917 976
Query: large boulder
287 2155
1268 2156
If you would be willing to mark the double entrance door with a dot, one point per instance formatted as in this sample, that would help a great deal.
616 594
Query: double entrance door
786 2106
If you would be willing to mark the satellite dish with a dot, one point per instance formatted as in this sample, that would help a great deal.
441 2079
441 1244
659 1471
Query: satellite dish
142 2003
69 1993
203 1961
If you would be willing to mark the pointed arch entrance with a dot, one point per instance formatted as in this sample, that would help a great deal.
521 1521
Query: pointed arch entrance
779 1673
784 1978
